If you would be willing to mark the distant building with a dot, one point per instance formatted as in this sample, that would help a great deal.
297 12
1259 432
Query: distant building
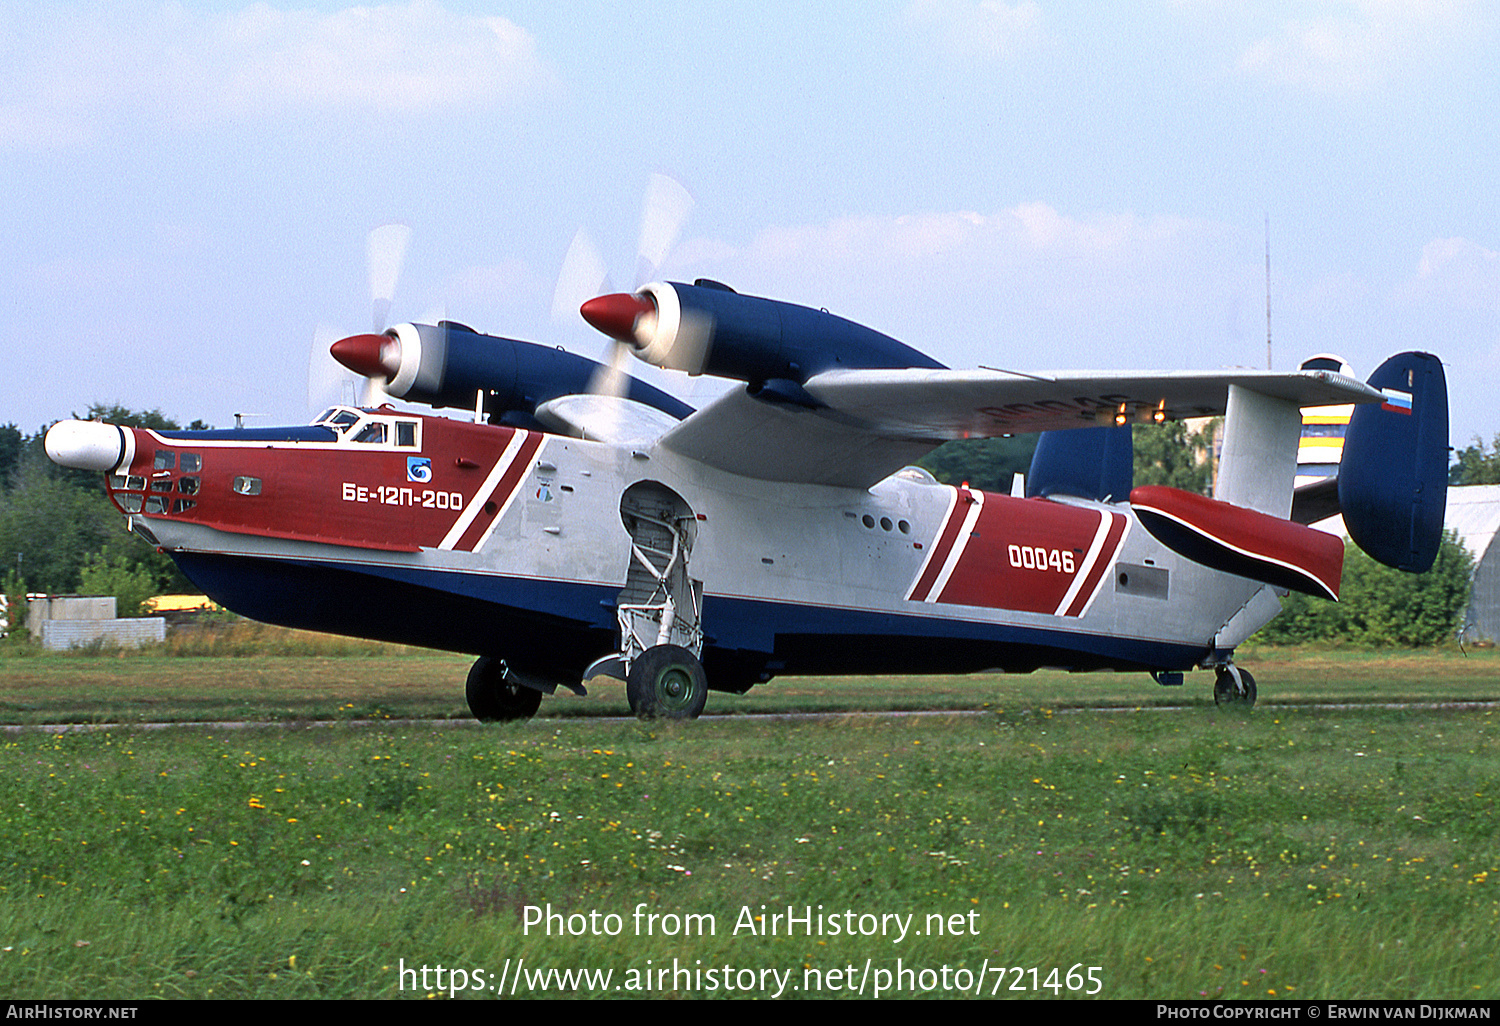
1474 513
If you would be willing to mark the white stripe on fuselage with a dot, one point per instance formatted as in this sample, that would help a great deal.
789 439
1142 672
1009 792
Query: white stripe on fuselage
960 543
1106 520
483 494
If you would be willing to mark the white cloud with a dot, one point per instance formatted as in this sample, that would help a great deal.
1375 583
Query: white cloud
978 28
1357 44
76 76
1459 272
1046 287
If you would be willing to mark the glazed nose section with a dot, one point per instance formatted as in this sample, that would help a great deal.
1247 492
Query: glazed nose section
89 445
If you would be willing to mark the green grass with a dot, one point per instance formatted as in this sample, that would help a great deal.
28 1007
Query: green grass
1291 852
250 672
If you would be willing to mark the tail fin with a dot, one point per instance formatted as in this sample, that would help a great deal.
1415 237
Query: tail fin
1393 478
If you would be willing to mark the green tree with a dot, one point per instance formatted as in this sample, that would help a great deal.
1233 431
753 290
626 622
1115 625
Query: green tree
14 590
12 445
1382 607
118 572
1170 454
49 525
1476 464
52 519
986 463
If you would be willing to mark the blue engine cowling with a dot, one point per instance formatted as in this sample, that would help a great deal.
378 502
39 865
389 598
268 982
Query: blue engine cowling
708 328
448 364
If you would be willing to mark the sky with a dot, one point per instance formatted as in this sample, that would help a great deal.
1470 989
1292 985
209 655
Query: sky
1031 185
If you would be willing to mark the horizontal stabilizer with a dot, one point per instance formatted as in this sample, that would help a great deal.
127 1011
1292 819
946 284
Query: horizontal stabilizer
1393 478
1316 501
1242 541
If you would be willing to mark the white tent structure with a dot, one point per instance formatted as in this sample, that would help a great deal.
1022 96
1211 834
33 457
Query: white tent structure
1474 513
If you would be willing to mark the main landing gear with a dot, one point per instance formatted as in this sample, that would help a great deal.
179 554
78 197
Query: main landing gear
493 698
1234 688
666 682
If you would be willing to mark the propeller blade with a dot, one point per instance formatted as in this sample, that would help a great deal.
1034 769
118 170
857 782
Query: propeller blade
610 379
663 216
325 377
385 252
582 276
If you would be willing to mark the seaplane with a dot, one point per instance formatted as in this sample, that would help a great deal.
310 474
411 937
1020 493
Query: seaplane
565 534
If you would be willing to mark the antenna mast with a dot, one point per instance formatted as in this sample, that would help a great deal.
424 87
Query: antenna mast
1268 290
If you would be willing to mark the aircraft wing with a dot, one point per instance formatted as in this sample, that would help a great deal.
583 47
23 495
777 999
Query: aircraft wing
857 427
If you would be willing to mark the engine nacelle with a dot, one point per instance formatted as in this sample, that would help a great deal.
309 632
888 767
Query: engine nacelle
448 365
707 328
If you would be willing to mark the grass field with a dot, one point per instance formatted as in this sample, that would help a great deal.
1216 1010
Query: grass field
251 672
1291 852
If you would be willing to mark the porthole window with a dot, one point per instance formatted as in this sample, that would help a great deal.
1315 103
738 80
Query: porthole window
246 486
868 521
904 527
885 523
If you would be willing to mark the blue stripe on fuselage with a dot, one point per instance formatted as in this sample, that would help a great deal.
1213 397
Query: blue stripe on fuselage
565 625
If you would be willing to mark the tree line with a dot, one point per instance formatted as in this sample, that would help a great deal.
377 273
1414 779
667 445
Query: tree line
60 534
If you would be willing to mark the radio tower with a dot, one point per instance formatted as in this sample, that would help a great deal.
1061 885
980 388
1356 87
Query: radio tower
1268 290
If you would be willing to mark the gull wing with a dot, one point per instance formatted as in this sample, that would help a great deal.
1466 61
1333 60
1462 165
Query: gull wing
853 428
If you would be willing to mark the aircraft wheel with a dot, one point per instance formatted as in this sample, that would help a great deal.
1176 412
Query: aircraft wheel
1234 688
667 682
492 699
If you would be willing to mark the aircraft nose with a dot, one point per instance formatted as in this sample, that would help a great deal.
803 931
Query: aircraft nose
89 445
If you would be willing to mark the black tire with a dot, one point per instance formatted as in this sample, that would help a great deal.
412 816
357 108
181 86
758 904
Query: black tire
492 700
1234 688
667 682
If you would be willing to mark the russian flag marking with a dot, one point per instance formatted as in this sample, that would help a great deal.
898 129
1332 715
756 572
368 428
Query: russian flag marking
1396 401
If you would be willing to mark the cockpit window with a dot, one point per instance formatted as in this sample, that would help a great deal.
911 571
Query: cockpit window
371 433
340 418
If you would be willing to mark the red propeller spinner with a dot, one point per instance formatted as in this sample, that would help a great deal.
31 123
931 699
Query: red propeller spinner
371 356
617 313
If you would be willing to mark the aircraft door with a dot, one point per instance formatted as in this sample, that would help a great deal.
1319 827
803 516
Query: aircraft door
660 603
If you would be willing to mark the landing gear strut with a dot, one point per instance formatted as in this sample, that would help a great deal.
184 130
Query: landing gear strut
493 698
660 609
1234 688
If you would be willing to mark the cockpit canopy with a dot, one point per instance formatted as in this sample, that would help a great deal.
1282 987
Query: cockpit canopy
372 427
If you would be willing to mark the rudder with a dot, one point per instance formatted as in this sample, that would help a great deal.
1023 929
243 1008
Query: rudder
1393 478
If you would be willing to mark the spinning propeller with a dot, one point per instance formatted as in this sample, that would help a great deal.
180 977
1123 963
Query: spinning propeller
374 357
584 276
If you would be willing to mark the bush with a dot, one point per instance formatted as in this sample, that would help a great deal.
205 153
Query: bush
1380 606
112 572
